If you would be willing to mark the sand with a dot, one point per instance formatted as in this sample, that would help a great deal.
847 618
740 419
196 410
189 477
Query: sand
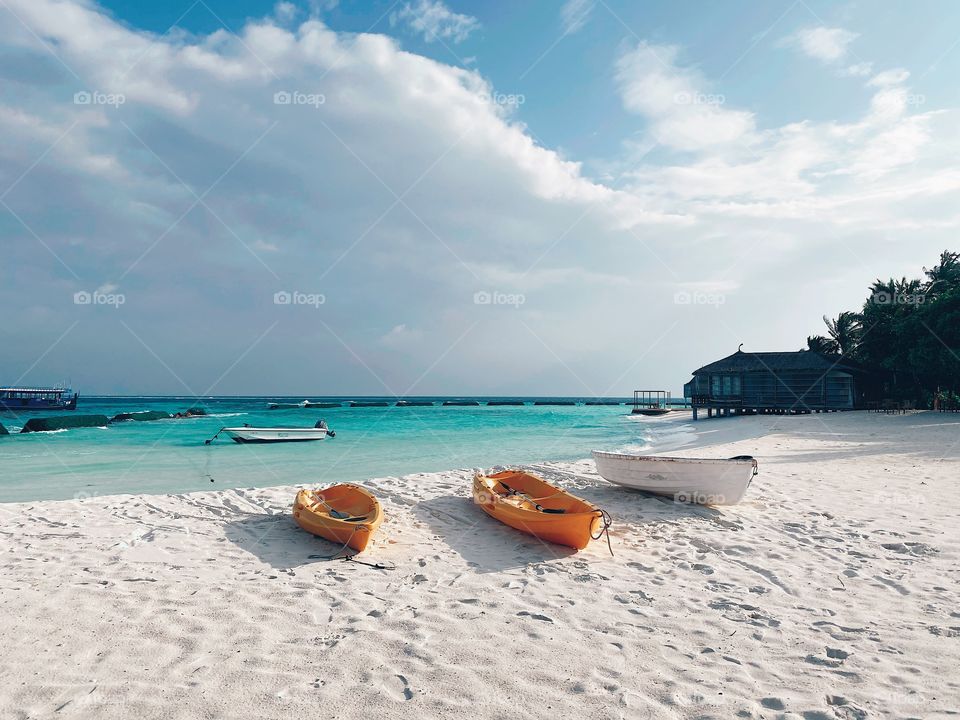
830 592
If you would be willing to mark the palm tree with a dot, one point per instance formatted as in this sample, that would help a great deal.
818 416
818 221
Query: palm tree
946 271
845 331
821 344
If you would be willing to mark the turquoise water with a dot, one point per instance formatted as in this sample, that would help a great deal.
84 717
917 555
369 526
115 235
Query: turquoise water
169 456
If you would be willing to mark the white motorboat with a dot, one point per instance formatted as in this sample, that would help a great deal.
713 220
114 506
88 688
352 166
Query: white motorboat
690 480
248 434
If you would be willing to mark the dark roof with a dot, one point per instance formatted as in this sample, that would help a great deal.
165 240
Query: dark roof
778 361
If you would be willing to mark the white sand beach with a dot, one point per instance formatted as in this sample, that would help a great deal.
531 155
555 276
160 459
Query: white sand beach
830 592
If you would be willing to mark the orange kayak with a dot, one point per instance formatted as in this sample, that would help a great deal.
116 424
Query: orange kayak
345 514
528 503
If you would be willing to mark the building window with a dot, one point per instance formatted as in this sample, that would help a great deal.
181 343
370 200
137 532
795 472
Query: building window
725 385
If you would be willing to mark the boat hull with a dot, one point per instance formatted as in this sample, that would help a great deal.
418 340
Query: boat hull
275 435
311 511
16 405
575 527
690 480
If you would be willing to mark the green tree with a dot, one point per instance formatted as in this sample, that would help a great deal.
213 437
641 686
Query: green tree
821 344
845 331
909 328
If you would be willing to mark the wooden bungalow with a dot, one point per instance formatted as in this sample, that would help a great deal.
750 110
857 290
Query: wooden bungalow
778 383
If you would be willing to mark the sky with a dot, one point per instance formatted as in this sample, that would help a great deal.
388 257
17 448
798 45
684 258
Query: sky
426 197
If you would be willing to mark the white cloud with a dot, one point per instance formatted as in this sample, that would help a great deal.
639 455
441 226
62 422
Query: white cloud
860 69
285 12
264 246
295 196
896 76
401 335
683 113
574 15
320 6
404 193
837 172
435 21
823 43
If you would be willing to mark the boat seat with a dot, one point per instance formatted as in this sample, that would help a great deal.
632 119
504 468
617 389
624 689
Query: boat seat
524 498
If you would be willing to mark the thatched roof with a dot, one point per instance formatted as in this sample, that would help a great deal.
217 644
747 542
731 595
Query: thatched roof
801 360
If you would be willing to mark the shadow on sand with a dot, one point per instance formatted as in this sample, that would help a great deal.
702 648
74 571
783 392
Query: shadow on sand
279 542
486 544
628 505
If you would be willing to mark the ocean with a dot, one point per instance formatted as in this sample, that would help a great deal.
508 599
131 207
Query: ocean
169 456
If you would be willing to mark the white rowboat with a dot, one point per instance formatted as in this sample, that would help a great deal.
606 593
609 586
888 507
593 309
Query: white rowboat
690 480
275 434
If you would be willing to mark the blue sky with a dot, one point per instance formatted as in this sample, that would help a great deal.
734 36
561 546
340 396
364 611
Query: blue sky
498 197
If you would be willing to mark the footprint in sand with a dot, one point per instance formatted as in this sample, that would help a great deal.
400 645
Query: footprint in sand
835 658
950 632
772 703
534 616
911 548
845 709
397 688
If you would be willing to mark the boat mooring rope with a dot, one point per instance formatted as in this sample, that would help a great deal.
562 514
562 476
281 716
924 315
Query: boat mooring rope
345 558
352 558
375 566
607 522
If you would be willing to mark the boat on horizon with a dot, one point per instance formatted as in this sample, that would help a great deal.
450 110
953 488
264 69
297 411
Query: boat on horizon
703 481
29 398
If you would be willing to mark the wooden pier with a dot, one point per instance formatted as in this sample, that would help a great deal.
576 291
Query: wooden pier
650 402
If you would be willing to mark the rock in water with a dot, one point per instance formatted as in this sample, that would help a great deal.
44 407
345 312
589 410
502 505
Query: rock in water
63 422
142 416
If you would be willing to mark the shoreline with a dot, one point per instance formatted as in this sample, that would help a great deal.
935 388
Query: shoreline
169 456
675 432
829 591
